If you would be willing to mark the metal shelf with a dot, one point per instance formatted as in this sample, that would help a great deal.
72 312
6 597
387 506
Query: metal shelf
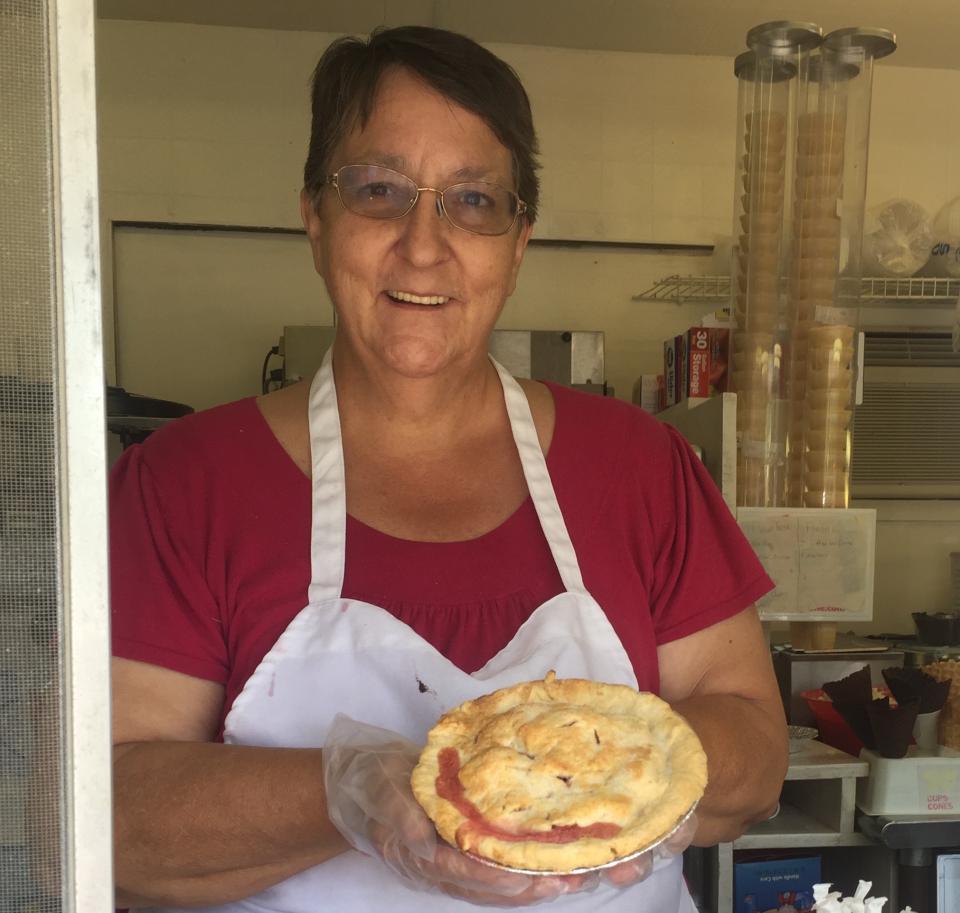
682 289
916 288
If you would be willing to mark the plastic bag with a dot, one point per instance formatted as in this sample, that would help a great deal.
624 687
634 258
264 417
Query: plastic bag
897 239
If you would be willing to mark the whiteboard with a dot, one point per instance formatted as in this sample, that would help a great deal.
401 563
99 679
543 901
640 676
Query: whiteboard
821 560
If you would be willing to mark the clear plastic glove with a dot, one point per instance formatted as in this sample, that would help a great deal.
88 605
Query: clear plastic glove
369 800
637 869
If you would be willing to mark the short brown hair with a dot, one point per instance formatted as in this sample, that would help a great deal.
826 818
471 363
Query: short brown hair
346 79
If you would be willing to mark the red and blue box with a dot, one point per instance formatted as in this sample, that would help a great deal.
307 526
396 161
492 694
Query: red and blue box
780 885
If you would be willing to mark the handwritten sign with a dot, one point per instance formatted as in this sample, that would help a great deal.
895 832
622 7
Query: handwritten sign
821 560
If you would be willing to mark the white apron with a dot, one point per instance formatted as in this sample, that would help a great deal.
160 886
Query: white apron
344 656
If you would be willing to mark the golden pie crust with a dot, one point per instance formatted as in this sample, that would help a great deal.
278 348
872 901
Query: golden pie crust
559 774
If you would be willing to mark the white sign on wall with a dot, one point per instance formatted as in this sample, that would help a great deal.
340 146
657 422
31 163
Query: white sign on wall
821 559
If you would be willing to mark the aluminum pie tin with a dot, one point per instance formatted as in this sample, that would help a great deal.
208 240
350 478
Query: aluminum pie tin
586 870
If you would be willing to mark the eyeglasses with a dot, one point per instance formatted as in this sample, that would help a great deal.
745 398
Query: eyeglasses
481 207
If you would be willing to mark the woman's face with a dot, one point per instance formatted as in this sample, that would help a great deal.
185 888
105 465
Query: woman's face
372 268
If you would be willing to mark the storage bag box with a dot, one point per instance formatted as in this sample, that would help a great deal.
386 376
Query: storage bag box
705 364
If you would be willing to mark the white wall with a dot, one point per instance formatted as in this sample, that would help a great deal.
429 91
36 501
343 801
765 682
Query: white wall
914 541
202 309
208 124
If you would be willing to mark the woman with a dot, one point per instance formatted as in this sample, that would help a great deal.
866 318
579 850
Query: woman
390 541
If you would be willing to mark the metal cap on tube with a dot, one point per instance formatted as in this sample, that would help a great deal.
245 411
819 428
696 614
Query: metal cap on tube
875 43
837 69
744 63
774 69
784 36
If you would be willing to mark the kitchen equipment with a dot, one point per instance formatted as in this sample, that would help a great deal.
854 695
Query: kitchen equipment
915 838
948 882
915 653
302 349
133 416
939 628
570 357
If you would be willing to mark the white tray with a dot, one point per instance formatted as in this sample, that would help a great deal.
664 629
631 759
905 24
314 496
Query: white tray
925 782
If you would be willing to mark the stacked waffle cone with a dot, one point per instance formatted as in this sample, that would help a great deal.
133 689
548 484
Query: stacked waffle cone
948 670
756 355
820 380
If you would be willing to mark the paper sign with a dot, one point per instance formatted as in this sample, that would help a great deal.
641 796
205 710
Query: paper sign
821 560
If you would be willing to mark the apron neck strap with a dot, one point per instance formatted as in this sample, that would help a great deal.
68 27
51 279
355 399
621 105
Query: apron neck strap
329 512
328 532
539 483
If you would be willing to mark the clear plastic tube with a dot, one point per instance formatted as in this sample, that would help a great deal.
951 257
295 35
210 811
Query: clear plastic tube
830 164
766 98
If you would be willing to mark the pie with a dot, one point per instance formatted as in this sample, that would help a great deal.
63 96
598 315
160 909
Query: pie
559 774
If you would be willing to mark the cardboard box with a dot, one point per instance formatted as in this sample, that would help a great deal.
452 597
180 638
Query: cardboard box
670 372
683 365
648 392
777 885
706 361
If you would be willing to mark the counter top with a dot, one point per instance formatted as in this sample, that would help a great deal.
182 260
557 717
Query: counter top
912 831
813 760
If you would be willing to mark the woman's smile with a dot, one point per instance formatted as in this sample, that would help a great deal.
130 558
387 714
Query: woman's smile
399 297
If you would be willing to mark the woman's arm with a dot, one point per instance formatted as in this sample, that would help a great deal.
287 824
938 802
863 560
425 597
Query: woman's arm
201 823
721 680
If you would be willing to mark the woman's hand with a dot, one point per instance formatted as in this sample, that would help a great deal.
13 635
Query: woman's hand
367 777
638 869
369 800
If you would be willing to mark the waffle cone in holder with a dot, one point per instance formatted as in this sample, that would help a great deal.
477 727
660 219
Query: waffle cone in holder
948 671
856 688
850 696
892 726
855 716
915 684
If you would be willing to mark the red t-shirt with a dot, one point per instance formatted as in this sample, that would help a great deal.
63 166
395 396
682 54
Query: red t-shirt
210 546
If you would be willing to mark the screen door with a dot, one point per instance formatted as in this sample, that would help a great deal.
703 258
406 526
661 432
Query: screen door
54 694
